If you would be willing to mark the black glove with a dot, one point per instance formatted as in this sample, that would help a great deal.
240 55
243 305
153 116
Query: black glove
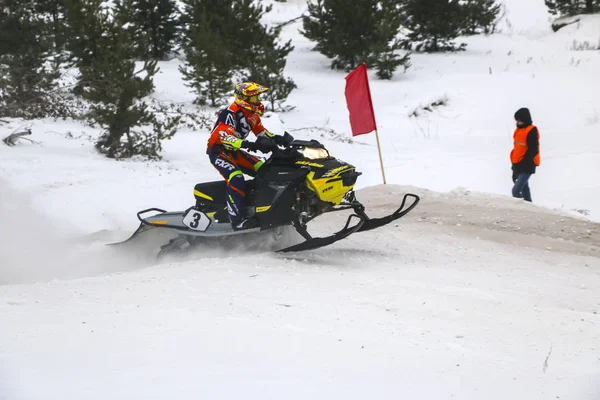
264 144
248 145
284 140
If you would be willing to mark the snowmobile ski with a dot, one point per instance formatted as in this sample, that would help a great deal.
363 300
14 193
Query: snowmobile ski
374 223
314 243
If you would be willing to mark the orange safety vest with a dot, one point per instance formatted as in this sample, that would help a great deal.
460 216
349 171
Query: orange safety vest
520 142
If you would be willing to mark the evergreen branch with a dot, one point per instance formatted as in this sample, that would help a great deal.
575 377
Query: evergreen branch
282 24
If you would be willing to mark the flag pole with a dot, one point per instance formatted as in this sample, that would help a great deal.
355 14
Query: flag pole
376 133
380 158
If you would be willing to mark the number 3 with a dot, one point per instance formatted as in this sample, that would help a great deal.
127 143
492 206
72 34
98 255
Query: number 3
196 221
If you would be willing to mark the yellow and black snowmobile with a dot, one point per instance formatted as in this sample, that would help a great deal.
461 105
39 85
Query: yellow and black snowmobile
295 185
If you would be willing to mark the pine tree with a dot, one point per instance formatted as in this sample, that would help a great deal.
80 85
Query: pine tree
155 28
264 59
25 79
53 13
433 24
387 62
386 58
350 33
208 67
86 27
208 47
266 67
250 35
563 8
227 42
112 84
478 16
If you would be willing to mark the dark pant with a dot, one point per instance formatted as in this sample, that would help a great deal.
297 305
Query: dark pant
232 165
521 187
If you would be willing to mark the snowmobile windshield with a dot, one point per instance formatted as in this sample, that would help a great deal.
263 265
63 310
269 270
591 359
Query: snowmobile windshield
313 153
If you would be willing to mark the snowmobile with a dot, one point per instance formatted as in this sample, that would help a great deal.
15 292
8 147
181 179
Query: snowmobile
295 185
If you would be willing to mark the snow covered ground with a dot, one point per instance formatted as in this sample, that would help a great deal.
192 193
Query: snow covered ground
473 295
469 297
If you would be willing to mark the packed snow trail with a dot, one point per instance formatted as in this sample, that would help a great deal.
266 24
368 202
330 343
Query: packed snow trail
382 314
497 218
37 247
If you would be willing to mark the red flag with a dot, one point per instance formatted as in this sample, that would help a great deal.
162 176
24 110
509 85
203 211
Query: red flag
358 99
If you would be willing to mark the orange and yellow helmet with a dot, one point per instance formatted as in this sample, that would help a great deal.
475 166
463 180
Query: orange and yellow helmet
247 95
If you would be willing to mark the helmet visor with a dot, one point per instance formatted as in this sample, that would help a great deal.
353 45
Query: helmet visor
254 99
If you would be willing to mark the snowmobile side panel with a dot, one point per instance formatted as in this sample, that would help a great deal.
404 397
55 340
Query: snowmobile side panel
331 190
191 222
274 200
212 192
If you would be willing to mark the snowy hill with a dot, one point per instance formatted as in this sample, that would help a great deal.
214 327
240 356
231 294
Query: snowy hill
473 295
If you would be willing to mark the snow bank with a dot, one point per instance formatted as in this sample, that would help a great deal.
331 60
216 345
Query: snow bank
580 33
490 217
524 17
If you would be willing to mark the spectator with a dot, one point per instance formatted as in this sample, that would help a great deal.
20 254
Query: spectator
525 156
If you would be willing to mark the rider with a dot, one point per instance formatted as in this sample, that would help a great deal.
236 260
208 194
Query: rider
228 138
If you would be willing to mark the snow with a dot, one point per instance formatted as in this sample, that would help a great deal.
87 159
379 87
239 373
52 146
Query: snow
582 33
473 295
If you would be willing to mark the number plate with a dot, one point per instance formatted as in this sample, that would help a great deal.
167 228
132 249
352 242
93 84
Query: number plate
196 220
